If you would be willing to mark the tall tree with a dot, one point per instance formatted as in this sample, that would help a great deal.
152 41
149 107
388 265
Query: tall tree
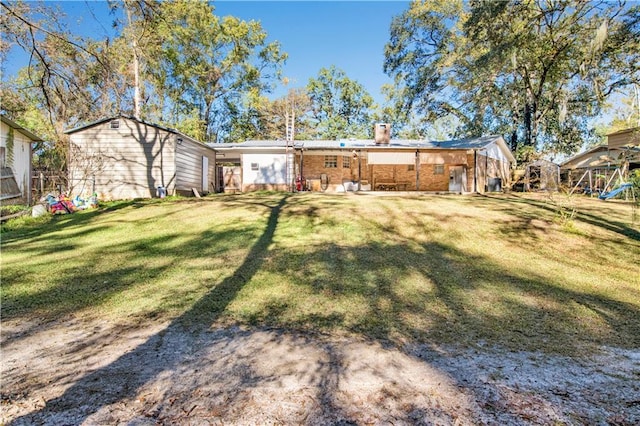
141 16
341 107
626 113
533 70
70 79
210 62
285 118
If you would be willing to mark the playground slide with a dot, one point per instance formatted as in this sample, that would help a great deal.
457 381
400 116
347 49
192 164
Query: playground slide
607 195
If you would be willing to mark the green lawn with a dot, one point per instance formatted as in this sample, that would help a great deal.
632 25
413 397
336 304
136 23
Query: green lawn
512 271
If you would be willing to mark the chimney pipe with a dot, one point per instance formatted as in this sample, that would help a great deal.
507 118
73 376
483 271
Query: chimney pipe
382 133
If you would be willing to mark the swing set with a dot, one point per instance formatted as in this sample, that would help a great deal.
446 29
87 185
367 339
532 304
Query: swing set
609 190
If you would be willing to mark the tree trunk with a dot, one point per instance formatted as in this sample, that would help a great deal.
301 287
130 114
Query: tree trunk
513 140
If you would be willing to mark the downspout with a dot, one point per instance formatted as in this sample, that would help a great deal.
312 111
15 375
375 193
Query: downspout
29 189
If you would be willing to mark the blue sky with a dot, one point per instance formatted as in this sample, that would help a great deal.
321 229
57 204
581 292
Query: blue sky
348 34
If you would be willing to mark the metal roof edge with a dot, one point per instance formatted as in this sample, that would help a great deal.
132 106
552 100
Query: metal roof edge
580 154
91 124
132 118
21 129
347 144
620 132
128 117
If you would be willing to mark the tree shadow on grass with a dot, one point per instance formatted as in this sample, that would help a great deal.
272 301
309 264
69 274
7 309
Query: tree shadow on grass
601 221
438 293
455 298
58 223
125 385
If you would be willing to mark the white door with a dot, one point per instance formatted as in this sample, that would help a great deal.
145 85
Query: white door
457 179
205 174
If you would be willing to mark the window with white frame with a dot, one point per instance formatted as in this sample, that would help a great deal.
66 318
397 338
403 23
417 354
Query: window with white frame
346 162
115 124
438 169
255 166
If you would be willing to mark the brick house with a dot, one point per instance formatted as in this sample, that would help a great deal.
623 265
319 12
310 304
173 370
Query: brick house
460 166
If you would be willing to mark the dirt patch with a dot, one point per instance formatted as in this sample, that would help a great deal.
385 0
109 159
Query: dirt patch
80 372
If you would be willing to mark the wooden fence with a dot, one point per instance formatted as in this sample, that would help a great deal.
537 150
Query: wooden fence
45 182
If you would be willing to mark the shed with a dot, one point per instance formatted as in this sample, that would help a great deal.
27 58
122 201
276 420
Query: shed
542 175
15 162
123 157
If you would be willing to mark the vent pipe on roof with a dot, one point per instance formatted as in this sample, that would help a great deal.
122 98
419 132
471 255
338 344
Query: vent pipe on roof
382 133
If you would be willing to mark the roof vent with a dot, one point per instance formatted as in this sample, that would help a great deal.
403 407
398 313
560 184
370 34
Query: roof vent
382 133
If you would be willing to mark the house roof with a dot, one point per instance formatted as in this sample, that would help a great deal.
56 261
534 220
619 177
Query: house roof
598 156
251 144
620 132
129 117
21 129
457 144
146 123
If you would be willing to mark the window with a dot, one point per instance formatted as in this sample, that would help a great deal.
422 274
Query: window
115 124
330 161
438 169
255 166
411 167
346 162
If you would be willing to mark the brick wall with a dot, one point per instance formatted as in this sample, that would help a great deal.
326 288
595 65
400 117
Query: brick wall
430 181
313 167
393 173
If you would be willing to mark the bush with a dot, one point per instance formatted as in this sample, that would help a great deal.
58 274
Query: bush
634 178
6 210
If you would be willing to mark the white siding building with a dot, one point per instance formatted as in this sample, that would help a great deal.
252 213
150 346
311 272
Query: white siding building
15 161
123 158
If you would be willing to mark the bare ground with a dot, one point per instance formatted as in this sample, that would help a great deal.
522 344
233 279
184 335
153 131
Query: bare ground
77 371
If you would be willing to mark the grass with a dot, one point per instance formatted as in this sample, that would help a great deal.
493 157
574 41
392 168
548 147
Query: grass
498 270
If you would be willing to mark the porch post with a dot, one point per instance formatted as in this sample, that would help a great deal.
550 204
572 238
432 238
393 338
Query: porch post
359 170
475 171
417 168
